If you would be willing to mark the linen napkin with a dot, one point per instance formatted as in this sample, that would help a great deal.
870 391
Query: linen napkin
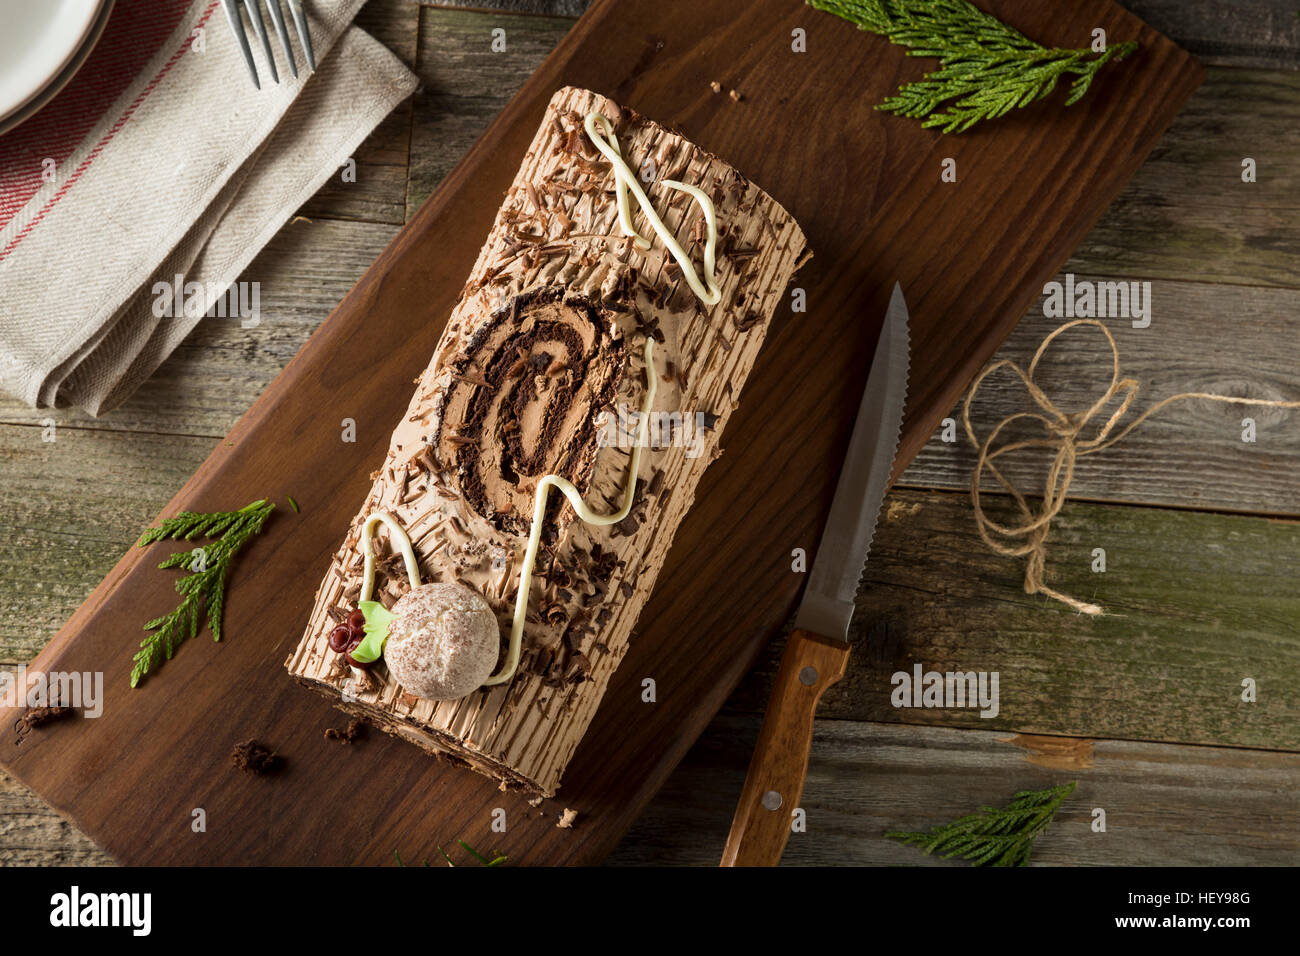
161 159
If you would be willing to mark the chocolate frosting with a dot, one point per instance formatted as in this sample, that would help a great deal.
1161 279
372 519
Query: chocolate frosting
524 401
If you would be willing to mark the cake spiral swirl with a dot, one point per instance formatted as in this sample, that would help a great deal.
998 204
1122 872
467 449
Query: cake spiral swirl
524 400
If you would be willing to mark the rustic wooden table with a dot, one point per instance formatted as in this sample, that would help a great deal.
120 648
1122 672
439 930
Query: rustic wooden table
1142 706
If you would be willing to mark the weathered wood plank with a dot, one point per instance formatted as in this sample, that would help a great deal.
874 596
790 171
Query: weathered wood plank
1187 214
1255 33
70 508
464 84
395 24
1195 604
548 8
31 834
379 192
1165 805
1210 338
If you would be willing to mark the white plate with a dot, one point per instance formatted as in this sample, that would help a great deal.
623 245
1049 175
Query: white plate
40 39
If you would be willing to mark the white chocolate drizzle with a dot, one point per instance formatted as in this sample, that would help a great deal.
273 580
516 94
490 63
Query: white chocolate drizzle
586 514
398 536
625 179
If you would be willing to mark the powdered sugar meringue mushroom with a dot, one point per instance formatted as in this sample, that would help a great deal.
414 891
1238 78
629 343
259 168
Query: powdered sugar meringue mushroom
443 641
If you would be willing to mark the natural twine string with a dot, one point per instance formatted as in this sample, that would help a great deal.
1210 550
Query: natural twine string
1029 536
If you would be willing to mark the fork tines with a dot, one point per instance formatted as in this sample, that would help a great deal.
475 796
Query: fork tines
254 8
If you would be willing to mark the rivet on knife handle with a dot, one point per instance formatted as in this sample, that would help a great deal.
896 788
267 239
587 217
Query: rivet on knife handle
774 783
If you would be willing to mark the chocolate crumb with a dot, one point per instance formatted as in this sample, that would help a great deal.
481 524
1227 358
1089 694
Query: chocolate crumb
255 758
37 716
356 730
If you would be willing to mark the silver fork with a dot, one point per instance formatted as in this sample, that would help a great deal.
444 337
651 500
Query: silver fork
254 8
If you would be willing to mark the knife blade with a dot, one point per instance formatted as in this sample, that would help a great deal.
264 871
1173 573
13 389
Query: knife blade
817 651
827 605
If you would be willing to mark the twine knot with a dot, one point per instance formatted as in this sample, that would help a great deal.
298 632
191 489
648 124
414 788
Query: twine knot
1063 438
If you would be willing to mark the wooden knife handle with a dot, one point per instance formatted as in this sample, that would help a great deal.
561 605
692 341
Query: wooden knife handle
774 784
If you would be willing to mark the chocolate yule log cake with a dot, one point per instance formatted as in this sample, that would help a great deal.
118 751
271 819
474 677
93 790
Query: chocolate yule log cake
490 582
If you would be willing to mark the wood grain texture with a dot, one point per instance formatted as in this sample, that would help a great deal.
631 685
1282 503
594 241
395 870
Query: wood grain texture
551 8
775 778
1189 455
78 523
1194 606
1188 215
378 193
1165 805
1169 805
806 374
464 84
1251 33
1185 211
31 834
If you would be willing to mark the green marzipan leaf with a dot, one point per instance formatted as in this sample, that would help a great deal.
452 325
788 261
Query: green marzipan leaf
378 618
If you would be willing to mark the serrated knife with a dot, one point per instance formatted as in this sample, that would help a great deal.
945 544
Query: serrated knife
818 650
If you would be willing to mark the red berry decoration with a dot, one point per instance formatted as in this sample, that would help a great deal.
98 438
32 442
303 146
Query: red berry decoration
352 645
340 638
346 636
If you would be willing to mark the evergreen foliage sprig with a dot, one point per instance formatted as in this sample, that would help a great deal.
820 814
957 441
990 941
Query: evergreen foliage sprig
986 68
204 588
993 837
495 859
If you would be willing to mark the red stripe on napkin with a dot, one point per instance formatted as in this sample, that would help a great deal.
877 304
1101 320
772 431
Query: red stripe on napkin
134 33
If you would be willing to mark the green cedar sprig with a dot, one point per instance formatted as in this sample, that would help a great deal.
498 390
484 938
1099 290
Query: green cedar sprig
204 589
497 859
986 68
993 837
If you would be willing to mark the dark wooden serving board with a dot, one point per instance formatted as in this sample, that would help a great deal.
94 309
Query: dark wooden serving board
971 256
